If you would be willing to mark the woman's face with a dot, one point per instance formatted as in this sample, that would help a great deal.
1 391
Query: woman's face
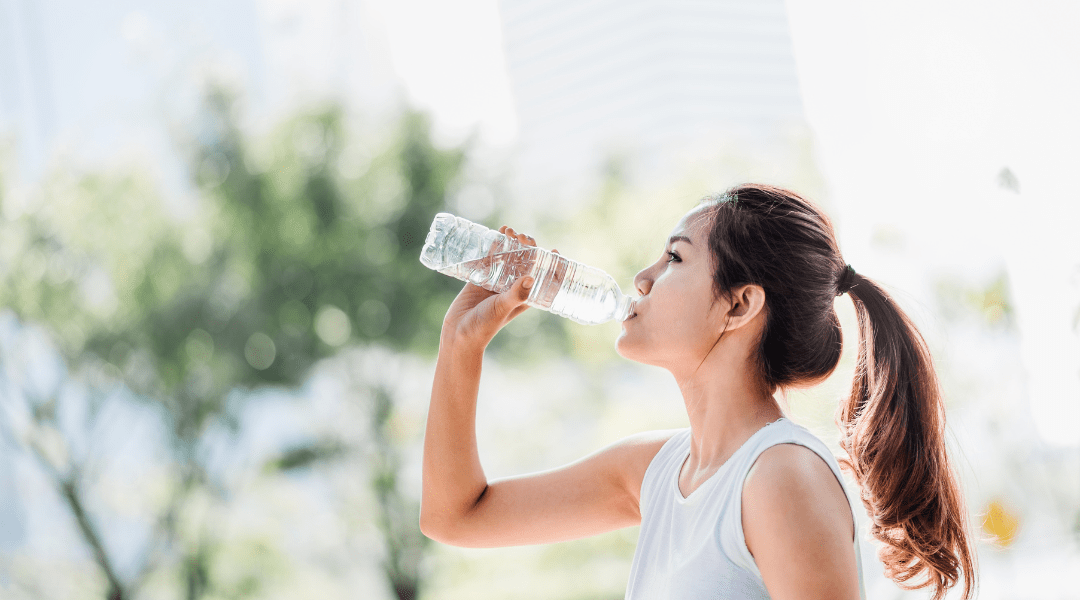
678 319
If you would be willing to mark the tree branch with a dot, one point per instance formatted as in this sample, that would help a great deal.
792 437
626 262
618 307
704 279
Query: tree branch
70 491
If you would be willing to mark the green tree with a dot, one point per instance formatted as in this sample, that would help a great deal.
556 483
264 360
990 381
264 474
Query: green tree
301 245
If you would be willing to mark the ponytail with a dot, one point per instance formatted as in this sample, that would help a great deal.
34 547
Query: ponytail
893 429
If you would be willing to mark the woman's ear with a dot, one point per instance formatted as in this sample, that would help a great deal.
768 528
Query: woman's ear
746 303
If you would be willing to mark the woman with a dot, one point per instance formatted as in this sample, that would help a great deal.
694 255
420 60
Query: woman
744 503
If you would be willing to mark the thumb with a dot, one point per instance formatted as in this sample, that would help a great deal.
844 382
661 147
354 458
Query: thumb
514 297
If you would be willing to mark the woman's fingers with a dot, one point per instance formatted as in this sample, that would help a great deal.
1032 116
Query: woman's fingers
519 262
526 240
520 293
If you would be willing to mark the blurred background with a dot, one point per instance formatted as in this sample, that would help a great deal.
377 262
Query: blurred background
217 341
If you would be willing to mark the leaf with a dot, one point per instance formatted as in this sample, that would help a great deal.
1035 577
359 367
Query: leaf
302 457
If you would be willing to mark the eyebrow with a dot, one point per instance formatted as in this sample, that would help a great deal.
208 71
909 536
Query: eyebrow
679 238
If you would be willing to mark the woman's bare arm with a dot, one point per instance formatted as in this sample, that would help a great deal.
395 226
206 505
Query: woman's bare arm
598 493
459 506
798 526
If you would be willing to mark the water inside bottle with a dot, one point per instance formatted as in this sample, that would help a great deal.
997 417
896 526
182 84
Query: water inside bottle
499 271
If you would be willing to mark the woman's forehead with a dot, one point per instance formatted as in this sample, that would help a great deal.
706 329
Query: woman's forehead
693 222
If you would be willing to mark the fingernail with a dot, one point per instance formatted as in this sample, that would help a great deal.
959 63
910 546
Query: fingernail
528 283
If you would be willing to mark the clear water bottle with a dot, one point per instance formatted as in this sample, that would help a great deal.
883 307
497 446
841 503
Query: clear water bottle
493 261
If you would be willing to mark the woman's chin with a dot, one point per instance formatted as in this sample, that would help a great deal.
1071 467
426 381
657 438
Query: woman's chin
626 349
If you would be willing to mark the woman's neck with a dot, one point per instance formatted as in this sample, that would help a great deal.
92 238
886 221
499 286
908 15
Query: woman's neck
725 408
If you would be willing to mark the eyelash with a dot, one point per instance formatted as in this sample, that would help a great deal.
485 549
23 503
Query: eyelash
674 257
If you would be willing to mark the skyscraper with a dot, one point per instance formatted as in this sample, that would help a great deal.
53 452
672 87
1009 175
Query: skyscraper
644 78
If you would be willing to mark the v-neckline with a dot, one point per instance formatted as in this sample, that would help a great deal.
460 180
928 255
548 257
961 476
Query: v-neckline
723 467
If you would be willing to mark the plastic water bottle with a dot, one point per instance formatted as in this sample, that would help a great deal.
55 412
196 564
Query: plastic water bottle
493 261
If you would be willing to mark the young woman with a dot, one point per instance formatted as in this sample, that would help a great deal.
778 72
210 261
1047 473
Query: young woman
744 503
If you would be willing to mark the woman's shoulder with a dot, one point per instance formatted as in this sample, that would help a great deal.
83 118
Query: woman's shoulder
786 449
789 469
789 461
787 432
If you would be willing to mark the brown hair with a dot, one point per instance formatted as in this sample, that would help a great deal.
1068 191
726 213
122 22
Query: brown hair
893 424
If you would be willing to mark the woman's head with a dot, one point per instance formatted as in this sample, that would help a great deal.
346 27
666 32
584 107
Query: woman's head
775 239
760 269
679 319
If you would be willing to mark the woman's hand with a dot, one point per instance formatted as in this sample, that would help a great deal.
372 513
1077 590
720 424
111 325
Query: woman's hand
476 315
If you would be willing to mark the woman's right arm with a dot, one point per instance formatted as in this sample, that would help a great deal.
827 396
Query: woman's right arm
459 506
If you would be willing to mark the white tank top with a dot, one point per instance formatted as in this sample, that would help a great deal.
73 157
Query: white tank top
693 548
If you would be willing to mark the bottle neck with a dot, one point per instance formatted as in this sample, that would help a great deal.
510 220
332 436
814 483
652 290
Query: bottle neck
625 307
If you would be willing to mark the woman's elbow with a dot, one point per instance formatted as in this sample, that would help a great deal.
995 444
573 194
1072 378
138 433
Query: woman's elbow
430 526
443 529
449 524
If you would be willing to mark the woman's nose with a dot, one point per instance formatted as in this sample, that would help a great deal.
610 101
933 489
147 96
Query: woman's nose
643 282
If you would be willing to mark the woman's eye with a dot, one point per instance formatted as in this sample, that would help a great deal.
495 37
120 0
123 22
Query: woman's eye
673 257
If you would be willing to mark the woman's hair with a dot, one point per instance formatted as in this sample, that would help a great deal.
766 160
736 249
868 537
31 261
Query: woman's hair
893 424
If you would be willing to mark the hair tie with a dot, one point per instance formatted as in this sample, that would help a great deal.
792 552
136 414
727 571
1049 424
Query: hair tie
847 281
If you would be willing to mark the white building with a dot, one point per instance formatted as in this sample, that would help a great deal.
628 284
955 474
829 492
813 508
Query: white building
649 80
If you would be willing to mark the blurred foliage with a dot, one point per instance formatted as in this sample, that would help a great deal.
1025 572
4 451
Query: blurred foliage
305 455
298 246
398 514
987 303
